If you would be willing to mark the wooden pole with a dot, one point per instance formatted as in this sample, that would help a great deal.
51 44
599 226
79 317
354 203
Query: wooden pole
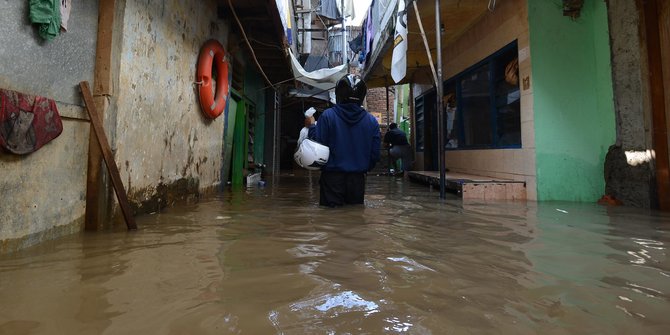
98 193
659 125
103 143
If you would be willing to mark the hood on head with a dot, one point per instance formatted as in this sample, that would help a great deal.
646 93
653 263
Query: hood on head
350 113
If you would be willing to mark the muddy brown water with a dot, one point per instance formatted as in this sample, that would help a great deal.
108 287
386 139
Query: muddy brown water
271 261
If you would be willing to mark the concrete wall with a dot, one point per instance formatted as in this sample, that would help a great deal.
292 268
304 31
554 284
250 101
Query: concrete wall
164 148
167 149
494 31
43 194
573 99
630 183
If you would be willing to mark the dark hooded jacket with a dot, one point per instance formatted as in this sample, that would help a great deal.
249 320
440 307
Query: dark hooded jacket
352 135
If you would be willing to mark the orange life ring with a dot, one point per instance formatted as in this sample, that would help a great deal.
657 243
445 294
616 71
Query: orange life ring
212 104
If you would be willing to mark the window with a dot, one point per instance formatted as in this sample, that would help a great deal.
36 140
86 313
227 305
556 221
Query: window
420 114
475 103
482 109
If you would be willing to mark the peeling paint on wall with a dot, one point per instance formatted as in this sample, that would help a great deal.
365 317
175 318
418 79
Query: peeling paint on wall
162 136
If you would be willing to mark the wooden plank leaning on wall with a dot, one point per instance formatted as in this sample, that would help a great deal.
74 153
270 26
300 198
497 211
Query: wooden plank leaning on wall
98 191
103 145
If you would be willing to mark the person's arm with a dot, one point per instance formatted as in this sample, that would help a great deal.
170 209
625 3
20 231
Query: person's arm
310 124
319 131
387 139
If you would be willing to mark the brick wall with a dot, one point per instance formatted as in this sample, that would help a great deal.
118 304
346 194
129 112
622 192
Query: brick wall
375 103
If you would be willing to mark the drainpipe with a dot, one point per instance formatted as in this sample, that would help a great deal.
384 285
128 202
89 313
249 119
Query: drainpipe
440 111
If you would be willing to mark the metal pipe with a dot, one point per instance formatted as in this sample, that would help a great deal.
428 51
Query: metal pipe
388 119
440 108
276 143
344 39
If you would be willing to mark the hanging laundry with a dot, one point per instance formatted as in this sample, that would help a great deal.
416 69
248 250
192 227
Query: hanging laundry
399 57
27 122
329 9
46 14
356 45
64 13
369 33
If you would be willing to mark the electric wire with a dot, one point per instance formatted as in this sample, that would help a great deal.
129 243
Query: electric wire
246 40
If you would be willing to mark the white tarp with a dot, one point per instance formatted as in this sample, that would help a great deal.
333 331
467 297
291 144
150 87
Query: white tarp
399 59
324 79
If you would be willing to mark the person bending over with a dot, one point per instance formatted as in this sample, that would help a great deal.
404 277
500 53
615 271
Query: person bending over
399 148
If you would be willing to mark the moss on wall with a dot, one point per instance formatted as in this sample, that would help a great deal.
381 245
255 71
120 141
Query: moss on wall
162 135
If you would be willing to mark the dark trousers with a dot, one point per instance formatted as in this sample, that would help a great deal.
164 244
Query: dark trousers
341 188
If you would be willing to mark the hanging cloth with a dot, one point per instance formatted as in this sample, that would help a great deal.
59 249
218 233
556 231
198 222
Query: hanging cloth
324 79
65 6
329 9
46 14
27 122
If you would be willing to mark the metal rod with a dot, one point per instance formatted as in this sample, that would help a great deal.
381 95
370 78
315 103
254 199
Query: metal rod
344 39
388 120
440 108
275 142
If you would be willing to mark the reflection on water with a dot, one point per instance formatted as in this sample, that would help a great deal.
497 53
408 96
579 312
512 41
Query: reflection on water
270 261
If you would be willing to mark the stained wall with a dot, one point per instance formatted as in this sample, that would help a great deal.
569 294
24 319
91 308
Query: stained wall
43 193
167 149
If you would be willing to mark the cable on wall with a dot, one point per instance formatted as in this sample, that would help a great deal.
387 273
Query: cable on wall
246 39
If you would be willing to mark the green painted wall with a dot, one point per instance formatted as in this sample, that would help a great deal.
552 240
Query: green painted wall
402 116
573 99
253 89
239 145
231 113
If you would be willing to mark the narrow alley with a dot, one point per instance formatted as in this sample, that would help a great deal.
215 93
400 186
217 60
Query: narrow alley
271 261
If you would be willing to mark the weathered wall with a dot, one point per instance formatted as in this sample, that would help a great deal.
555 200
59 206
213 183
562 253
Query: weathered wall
43 194
574 109
508 22
166 147
629 183
375 103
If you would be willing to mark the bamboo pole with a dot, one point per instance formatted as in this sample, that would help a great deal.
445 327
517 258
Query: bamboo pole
425 43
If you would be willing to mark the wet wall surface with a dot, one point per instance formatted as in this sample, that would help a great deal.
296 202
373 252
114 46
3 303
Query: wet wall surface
271 261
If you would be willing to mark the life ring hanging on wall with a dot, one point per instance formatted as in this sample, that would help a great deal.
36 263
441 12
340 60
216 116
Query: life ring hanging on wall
212 103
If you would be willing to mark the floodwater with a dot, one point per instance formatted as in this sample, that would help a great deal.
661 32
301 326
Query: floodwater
270 261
